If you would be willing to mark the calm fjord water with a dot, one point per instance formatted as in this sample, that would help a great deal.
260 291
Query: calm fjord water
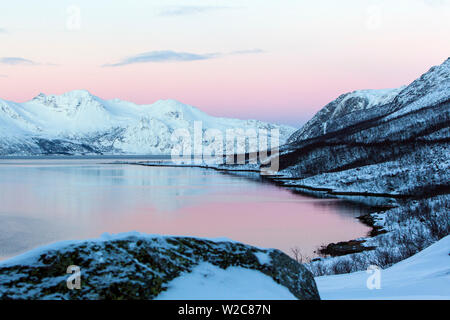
43 201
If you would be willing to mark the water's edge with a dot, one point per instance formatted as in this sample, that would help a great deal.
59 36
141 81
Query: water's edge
330 249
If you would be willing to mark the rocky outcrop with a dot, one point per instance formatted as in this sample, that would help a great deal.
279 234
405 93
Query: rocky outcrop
136 266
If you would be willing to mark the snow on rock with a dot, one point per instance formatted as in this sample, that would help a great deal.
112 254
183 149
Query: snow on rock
425 275
139 266
263 257
78 122
209 282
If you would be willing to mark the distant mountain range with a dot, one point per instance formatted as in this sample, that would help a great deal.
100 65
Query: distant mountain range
79 123
377 141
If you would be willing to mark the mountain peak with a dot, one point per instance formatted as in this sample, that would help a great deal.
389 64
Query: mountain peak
71 102
78 93
431 88
74 94
170 102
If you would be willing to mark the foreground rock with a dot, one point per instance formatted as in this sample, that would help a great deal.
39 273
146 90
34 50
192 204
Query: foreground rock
136 266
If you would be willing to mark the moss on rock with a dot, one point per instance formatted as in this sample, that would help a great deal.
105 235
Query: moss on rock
139 267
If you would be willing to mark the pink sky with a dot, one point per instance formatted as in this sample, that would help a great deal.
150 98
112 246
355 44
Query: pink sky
308 54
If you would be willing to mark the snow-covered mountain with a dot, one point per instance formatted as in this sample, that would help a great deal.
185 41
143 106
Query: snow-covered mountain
78 122
431 89
377 141
348 109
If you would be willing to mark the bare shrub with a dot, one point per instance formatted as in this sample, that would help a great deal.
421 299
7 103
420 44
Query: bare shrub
342 266
385 258
318 269
299 257
439 225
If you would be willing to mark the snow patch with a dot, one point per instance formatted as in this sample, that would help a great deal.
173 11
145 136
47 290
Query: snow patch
208 282
263 257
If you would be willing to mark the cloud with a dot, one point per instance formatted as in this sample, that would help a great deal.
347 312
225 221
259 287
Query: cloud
252 51
3 30
186 10
162 56
436 3
173 56
16 61
3 76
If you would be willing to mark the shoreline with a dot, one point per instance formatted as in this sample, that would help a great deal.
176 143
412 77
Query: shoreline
331 249
401 226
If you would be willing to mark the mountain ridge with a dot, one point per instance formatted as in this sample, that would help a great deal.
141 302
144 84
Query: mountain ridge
357 106
78 122
399 146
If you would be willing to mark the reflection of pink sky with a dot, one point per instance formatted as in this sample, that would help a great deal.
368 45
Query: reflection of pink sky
281 225
75 205
269 218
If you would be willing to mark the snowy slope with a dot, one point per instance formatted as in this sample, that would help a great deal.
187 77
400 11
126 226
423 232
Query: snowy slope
346 110
78 122
431 89
425 275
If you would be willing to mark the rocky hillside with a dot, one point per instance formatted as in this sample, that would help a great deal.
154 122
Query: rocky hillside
78 123
137 266
367 142
348 109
